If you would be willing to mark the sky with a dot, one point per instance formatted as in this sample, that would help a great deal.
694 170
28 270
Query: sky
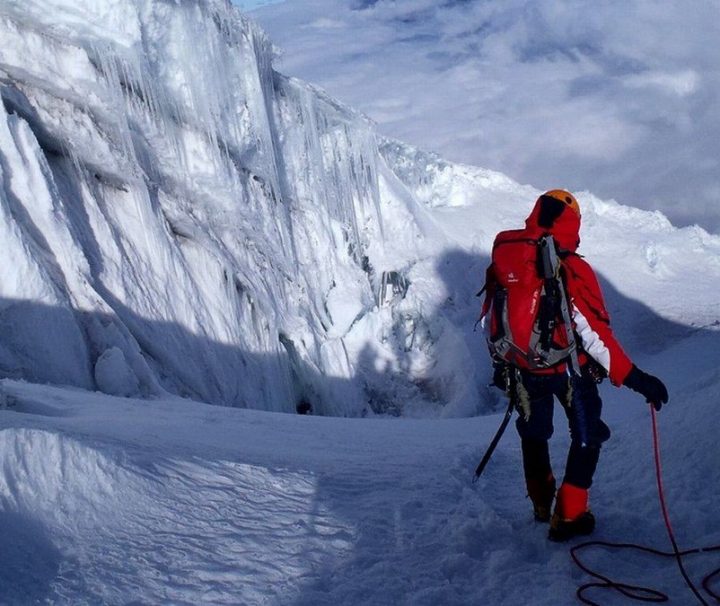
617 98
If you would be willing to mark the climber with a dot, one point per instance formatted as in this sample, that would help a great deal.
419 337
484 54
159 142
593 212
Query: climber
533 353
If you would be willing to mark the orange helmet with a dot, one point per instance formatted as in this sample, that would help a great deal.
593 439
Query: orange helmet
552 214
565 197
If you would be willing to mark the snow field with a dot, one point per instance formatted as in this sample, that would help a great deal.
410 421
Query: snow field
183 520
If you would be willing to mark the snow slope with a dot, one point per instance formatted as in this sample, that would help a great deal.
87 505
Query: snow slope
109 500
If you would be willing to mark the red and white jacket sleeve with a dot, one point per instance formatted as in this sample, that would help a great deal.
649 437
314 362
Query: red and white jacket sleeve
592 321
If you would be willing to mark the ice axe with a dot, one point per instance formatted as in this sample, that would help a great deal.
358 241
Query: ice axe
495 440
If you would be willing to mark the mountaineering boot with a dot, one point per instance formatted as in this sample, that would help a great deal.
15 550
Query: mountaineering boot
563 530
571 517
541 493
539 478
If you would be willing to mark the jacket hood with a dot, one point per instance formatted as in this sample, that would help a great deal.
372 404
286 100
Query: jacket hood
556 216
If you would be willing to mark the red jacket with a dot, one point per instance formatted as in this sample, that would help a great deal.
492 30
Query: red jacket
591 320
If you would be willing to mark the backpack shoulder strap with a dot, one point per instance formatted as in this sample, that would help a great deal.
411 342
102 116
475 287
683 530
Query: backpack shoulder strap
553 271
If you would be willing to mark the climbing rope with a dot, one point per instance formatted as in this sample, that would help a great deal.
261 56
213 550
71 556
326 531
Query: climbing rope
637 592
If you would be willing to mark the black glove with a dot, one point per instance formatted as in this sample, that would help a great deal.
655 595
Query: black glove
651 387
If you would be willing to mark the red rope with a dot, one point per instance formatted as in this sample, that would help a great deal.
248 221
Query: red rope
637 592
666 516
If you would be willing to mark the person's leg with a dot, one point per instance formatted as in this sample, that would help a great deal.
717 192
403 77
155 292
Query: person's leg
539 478
535 426
588 432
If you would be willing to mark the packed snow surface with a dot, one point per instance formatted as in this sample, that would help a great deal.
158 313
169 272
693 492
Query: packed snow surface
183 227
116 501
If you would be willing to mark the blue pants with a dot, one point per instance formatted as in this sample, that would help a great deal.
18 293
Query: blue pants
587 430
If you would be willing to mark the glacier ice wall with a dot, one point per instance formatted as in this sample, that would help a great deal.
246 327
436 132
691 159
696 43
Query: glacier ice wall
178 217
